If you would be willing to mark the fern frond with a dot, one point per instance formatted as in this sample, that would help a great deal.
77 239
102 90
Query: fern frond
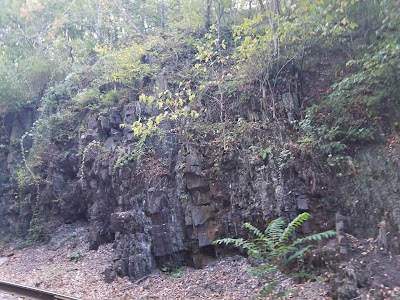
315 237
257 232
304 275
265 271
251 249
300 219
296 255
265 243
236 242
275 229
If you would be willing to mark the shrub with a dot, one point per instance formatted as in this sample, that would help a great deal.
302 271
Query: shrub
86 99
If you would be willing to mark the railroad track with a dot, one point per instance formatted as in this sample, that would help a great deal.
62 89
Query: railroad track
18 291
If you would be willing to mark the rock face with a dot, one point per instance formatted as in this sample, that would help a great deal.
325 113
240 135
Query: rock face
160 210
14 217
165 209
347 286
373 195
133 204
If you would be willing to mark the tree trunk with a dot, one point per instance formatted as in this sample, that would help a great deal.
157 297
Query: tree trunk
249 15
262 5
278 7
222 117
162 11
218 15
99 19
208 15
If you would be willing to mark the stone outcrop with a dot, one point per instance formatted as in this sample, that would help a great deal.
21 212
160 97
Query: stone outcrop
160 210
373 194
165 209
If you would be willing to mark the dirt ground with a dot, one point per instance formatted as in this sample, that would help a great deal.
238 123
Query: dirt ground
67 266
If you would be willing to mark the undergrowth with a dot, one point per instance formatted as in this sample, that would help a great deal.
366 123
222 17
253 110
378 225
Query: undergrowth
275 250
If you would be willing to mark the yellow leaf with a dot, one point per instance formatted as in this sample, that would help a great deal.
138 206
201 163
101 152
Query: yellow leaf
159 118
142 98
353 25
150 100
194 114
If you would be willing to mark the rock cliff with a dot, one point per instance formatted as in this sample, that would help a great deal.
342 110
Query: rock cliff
163 208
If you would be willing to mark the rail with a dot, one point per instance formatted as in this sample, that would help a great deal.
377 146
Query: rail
30 292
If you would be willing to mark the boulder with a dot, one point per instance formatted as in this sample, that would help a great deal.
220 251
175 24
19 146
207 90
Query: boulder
346 286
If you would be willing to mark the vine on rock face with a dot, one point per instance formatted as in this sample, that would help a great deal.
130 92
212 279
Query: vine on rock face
34 178
36 224
274 250
93 144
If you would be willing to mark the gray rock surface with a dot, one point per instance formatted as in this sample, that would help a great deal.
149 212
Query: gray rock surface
165 210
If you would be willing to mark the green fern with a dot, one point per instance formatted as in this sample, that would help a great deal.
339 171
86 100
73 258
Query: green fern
275 250
275 229
300 219
250 247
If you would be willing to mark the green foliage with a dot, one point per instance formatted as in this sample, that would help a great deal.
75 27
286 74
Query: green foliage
125 157
93 146
364 100
276 39
58 127
86 99
214 72
362 107
309 138
273 38
274 248
45 134
61 93
185 197
172 107
213 68
23 81
24 178
37 229
285 158
176 273
262 152
126 64
76 256
112 97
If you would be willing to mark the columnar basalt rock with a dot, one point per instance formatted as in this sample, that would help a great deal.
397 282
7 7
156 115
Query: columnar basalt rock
165 209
